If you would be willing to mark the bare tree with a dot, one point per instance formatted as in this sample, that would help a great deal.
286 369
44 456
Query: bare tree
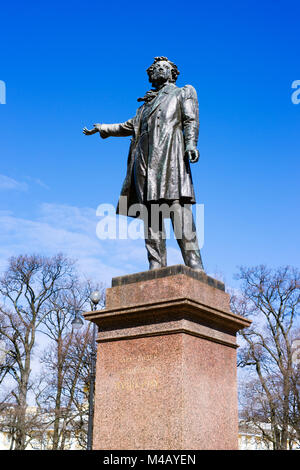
271 298
26 287
66 365
295 385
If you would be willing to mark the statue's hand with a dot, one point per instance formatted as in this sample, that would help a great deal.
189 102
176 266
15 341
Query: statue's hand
91 131
192 153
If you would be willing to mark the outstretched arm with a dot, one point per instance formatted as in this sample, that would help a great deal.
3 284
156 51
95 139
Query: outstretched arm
108 130
90 131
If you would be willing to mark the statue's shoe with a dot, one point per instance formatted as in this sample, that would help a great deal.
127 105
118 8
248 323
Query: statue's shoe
196 266
154 265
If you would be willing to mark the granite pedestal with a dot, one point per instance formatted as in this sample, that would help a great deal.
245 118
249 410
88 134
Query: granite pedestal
166 364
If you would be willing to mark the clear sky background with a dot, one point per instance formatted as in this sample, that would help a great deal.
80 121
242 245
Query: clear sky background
67 65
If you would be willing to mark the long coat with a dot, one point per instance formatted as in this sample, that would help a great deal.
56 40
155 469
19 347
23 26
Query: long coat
173 123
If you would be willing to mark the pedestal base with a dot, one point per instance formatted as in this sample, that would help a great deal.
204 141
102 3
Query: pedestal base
166 366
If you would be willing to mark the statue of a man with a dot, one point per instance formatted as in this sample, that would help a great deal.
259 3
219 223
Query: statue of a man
164 140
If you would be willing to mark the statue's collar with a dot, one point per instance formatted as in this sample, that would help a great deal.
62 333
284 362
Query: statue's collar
167 87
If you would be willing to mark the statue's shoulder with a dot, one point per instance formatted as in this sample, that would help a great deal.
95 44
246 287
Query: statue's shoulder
188 91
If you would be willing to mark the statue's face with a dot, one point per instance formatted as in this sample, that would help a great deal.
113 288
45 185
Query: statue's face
161 72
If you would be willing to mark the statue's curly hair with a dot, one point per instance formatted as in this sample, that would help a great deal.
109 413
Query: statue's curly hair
174 71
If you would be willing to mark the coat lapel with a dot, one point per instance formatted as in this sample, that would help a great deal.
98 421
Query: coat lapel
160 97
137 122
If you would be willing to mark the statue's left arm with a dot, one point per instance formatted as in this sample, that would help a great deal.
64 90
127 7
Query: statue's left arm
190 121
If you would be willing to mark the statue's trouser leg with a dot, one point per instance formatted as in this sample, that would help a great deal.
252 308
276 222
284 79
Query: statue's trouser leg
185 233
155 241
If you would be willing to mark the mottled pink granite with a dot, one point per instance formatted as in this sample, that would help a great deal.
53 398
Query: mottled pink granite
166 366
210 395
171 287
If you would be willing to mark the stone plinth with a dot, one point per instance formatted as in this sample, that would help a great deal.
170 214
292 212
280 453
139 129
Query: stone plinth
166 364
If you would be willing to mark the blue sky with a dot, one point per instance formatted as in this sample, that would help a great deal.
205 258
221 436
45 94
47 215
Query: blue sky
70 64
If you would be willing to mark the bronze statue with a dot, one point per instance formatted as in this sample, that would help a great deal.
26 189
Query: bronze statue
164 140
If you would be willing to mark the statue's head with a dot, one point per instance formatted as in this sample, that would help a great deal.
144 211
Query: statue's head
162 70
